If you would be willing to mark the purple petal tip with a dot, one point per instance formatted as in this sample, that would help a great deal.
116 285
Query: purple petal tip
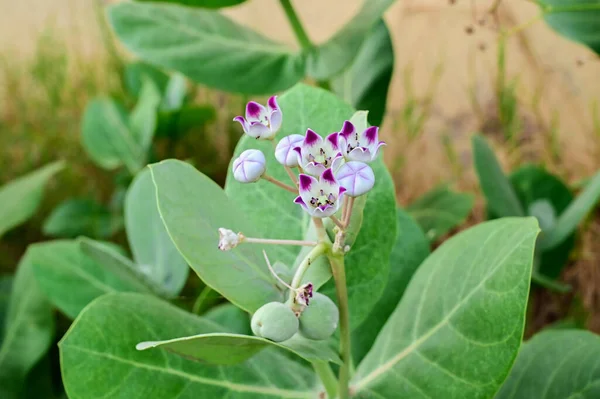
328 176
371 134
272 103
311 137
305 182
347 129
253 109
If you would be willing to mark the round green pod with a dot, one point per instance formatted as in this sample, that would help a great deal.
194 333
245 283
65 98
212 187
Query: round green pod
320 319
274 321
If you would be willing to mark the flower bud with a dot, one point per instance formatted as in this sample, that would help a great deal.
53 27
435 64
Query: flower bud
356 177
249 166
275 321
320 318
228 239
284 152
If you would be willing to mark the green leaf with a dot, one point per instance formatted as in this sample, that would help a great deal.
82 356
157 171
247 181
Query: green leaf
142 121
226 348
193 208
457 330
556 364
83 216
200 3
176 124
440 210
99 359
410 250
175 93
149 241
71 279
500 196
275 215
578 20
206 46
113 260
533 184
136 72
106 136
365 84
337 53
21 197
573 215
230 316
28 330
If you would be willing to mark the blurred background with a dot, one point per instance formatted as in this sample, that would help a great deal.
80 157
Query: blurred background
539 103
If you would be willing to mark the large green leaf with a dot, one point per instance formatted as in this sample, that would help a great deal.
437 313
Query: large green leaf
6 283
458 327
500 196
577 210
193 208
410 250
226 348
200 3
337 53
71 279
149 241
365 84
275 215
21 197
440 210
556 364
578 20
136 72
534 185
176 124
28 330
81 216
106 136
230 316
207 47
99 359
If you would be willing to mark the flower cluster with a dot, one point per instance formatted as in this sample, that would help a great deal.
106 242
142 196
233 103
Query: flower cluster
329 168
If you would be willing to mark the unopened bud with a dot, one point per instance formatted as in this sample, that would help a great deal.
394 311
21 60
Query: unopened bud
249 166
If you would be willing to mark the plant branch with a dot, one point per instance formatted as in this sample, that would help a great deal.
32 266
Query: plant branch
279 183
348 214
321 233
291 175
279 242
339 275
297 27
327 377
337 222
305 264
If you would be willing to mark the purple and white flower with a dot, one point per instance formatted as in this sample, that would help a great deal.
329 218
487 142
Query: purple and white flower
316 154
361 147
284 152
261 122
356 177
320 198
249 166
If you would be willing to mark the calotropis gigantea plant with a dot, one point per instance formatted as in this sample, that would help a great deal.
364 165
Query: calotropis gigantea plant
450 329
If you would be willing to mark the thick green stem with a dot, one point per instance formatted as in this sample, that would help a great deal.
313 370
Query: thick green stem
339 275
327 378
299 31
305 264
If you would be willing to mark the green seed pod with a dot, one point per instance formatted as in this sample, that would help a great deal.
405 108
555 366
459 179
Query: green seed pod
275 321
320 319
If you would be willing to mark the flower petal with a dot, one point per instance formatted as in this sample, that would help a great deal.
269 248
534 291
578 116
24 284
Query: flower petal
242 122
371 134
360 154
275 120
314 169
298 200
332 140
327 177
272 103
347 129
256 112
258 131
306 182
311 139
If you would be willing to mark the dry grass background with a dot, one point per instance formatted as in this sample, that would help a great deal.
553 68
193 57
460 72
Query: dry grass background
54 58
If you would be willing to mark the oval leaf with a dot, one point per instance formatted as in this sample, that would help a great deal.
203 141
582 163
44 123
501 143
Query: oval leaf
206 46
365 84
71 279
21 197
223 348
28 332
99 359
81 216
457 330
149 241
193 208
578 20
555 365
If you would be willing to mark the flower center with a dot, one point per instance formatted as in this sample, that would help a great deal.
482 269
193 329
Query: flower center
322 199
320 158
351 141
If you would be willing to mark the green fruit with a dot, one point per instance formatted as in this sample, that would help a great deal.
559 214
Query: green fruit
275 321
320 319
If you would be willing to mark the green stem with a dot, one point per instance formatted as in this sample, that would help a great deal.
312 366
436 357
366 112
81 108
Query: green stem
327 378
339 275
299 31
303 267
